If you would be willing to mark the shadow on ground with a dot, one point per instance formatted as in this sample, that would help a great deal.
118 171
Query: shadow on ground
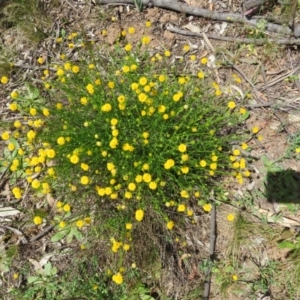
283 187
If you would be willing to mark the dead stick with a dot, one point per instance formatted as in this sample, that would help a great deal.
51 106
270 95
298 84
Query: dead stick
205 13
258 42
212 244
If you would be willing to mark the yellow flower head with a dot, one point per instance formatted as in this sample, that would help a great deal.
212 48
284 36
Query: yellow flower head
169 164
207 207
204 60
182 148
231 105
131 30
37 220
139 215
181 208
184 194
118 278
230 217
170 225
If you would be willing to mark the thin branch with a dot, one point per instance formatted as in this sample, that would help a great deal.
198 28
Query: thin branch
237 40
212 244
205 13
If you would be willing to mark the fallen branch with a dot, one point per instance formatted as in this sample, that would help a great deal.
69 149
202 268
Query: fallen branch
205 13
285 41
212 244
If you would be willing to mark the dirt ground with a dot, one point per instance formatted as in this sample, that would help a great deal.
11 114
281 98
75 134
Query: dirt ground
277 115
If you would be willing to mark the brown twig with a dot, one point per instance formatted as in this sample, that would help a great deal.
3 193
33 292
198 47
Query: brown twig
41 234
205 13
237 40
212 244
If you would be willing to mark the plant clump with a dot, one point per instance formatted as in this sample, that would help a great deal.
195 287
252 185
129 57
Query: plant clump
123 136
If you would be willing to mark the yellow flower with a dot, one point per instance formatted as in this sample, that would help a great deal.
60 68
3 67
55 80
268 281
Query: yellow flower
236 152
50 153
131 186
133 67
207 207
184 194
145 40
181 208
202 163
255 129
218 93
4 80
79 223
139 178
143 97
67 66
59 204
131 30
5 136
62 224
200 75
244 146
148 24
128 226
74 159
61 140
35 183
84 180
90 89
128 47
182 148
170 225
126 247
139 215
118 278
17 192
184 157
60 72
230 217
169 164
186 48
41 60
235 277
242 111
37 220
167 53
152 185
15 276
11 147
111 84
128 195
297 150
147 177
231 105
106 107
203 60
66 207
185 169
125 69
260 138
75 69
14 95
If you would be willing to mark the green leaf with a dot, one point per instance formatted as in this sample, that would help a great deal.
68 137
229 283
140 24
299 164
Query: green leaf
267 163
47 269
59 235
77 234
70 236
286 245
32 279
245 116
